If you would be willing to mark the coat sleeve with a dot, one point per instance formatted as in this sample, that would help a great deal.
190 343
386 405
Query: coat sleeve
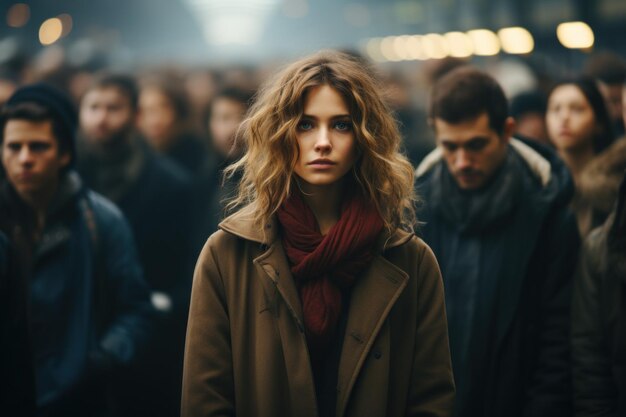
594 390
432 390
129 313
208 383
549 389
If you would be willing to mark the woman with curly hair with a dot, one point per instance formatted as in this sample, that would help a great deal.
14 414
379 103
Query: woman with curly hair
315 299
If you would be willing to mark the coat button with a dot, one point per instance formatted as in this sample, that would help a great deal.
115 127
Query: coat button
377 355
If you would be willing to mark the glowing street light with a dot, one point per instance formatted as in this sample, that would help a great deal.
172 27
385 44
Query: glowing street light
575 35
50 31
435 46
460 44
486 43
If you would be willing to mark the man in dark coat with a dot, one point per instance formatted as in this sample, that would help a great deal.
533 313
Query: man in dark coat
89 311
156 197
495 214
599 319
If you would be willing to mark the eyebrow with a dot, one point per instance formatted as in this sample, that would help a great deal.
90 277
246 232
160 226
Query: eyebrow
474 139
339 116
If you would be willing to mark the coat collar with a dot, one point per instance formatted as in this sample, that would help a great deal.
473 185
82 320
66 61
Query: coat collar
243 225
539 166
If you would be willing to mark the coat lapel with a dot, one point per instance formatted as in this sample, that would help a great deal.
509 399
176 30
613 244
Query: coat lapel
371 301
284 303
276 270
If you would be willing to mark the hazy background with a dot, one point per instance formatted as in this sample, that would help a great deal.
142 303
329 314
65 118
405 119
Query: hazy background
220 32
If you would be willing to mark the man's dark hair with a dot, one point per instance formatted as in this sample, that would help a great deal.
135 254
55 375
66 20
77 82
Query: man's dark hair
533 101
36 113
126 84
464 94
41 102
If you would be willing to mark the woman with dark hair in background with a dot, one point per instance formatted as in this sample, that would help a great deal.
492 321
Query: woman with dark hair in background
579 127
313 299
222 119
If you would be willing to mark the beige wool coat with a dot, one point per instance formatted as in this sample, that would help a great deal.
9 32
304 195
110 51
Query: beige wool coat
246 352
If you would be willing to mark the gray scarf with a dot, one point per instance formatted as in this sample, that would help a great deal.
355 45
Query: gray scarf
477 210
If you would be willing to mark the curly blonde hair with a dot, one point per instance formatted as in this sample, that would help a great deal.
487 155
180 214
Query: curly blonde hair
271 149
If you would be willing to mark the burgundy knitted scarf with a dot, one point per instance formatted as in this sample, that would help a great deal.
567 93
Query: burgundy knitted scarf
323 266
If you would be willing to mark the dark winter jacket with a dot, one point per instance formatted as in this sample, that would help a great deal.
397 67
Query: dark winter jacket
189 152
507 258
157 200
155 197
17 380
90 310
599 319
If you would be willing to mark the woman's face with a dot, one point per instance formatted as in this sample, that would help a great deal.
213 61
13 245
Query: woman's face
325 135
157 117
226 116
570 119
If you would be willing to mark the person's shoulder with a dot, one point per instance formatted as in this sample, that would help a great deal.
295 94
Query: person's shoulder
169 169
221 239
554 179
103 207
419 246
410 244
160 168
223 249
109 221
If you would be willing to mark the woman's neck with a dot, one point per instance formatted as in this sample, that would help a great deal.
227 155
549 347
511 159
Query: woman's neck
324 201
577 159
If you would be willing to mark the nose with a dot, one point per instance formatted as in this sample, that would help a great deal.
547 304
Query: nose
98 116
462 160
25 157
322 141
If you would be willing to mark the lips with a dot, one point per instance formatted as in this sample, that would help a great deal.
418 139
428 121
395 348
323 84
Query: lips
322 162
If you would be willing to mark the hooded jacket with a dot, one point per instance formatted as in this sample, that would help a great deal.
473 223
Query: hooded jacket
246 351
506 256
599 319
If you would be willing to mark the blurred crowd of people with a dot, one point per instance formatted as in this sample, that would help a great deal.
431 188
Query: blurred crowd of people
140 188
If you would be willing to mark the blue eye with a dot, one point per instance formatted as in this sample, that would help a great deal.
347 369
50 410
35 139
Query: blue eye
305 125
343 126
